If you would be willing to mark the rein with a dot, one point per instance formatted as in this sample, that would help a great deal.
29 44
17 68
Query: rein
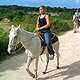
18 49
29 42
39 35
24 42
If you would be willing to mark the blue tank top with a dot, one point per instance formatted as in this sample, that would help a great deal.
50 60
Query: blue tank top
42 22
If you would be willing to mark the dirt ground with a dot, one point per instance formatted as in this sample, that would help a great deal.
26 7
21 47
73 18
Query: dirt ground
14 68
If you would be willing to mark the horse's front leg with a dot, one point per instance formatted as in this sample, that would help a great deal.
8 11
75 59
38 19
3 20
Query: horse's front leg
29 60
47 58
36 68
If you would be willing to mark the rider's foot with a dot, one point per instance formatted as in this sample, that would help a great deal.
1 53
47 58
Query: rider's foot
51 56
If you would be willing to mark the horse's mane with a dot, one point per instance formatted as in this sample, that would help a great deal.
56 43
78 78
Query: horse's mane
27 32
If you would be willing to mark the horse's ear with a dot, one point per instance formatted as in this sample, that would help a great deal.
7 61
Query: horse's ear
12 27
18 27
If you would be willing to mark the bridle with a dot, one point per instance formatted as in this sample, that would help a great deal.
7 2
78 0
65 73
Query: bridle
14 45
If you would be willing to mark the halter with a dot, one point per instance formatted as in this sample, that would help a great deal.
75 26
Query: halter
24 42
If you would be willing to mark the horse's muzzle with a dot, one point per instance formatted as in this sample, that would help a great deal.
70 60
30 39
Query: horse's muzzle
11 49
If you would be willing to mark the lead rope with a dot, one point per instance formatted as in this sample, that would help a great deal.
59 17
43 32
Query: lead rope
39 35
18 49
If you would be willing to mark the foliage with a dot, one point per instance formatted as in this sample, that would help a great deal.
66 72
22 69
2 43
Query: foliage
3 43
59 25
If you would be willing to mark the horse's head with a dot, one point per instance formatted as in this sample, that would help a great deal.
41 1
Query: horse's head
13 39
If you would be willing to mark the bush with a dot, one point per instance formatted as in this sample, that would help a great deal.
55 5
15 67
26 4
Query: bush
3 44
59 26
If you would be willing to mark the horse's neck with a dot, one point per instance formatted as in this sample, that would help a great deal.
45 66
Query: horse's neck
29 40
25 34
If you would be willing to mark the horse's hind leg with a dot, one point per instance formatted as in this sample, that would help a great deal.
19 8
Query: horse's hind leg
29 60
56 48
47 57
57 59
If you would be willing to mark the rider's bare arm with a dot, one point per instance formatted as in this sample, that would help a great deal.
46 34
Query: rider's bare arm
37 24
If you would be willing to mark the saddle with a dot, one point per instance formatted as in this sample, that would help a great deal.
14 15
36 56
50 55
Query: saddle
54 39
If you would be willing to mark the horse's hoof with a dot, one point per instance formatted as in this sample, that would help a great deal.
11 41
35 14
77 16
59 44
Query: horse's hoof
57 67
31 74
34 76
44 72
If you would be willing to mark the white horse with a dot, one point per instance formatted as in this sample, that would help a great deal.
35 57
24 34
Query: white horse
32 45
76 22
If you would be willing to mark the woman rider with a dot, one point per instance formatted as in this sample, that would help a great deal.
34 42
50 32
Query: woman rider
43 26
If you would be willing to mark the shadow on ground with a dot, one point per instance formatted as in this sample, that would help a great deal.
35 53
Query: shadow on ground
13 63
69 71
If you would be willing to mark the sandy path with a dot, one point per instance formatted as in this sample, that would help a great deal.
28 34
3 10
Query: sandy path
14 68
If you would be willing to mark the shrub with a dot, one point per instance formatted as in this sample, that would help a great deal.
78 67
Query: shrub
3 44
58 26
